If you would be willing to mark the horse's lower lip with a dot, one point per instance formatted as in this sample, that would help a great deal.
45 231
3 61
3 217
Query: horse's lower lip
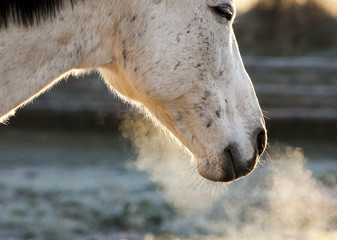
229 176
231 169
225 177
227 172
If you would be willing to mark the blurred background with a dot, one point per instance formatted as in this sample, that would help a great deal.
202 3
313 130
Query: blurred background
80 164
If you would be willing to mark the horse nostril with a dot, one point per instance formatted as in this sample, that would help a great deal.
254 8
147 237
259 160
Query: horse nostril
261 141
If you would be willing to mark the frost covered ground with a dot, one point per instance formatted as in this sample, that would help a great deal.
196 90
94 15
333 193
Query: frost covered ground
74 185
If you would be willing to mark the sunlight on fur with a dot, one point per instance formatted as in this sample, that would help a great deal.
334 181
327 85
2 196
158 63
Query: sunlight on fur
73 72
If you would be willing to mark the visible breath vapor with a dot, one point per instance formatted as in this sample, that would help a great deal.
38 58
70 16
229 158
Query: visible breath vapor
281 200
168 164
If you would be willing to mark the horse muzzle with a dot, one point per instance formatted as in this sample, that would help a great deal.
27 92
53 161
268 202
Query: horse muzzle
230 166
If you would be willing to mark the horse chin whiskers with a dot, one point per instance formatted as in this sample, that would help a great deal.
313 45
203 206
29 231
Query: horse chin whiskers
209 188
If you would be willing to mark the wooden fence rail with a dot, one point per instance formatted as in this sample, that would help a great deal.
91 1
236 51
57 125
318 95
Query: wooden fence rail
296 88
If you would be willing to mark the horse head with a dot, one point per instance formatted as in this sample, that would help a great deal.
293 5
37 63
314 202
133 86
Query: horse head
180 61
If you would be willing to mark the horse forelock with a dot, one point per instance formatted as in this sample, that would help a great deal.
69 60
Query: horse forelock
28 13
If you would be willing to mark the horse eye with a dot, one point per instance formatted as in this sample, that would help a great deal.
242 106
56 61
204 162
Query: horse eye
224 11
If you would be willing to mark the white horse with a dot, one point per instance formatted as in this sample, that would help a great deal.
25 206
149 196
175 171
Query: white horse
179 60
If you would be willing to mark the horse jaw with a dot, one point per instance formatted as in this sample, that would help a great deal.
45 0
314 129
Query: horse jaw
206 142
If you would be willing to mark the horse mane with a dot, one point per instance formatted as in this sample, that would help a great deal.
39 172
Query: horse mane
28 12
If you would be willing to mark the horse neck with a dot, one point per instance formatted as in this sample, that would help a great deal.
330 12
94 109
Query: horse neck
35 58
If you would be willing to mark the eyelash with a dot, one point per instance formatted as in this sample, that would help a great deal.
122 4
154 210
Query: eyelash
223 11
